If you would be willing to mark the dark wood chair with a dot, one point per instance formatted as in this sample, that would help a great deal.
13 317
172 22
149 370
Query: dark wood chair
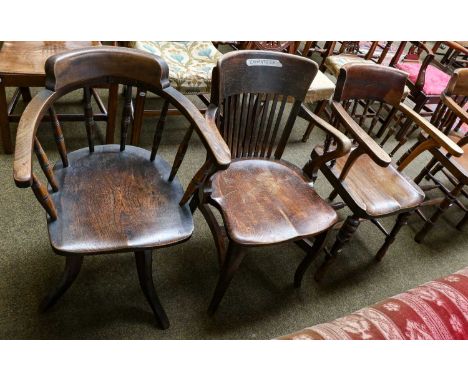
427 79
365 179
451 117
263 200
109 198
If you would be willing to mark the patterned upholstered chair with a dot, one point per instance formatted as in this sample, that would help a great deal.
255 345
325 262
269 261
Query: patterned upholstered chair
190 62
364 52
190 65
437 310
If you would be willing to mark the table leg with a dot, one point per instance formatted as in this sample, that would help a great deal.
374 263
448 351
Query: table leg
4 122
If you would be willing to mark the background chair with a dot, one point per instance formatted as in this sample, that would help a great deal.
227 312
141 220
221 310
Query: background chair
190 65
109 198
451 118
263 200
427 79
370 186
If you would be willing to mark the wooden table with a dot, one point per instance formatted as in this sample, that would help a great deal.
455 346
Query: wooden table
22 66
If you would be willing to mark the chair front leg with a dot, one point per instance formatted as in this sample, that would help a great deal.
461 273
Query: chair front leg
72 268
144 264
235 255
402 220
344 234
311 255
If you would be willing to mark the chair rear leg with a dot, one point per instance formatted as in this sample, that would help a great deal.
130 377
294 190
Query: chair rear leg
446 203
72 268
344 234
402 220
311 255
235 255
144 264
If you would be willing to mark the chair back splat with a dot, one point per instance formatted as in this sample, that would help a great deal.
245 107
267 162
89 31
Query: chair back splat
251 90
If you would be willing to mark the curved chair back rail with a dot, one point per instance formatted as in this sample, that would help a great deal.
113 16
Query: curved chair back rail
85 67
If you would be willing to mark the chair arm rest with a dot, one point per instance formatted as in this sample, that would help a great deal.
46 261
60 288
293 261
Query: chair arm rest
455 107
437 135
208 132
29 122
456 46
343 144
367 144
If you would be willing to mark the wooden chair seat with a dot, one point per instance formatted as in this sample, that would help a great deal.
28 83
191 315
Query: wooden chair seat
376 190
266 201
128 205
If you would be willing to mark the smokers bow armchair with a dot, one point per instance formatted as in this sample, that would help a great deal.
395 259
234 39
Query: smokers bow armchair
110 198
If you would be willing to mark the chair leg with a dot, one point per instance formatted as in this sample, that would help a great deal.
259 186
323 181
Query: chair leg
72 268
311 255
26 94
4 121
144 262
235 255
446 203
318 110
462 222
344 234
425 170
402 220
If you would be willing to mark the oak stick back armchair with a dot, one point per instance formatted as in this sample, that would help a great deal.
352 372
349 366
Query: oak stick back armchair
366 180
109 198
263 200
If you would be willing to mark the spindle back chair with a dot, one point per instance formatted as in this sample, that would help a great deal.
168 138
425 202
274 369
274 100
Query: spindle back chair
109 198
451 117
264 200
366 180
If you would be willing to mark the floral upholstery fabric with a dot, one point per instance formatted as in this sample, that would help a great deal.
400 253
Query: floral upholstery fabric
437 310
435 81
190 62
321 89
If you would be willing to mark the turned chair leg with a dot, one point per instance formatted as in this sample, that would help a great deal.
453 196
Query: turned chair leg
311 255
344 234
401 220
235 255
446 203
72 268
144 264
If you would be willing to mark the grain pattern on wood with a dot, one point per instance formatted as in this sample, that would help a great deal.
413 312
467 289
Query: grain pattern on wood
129 204
243 201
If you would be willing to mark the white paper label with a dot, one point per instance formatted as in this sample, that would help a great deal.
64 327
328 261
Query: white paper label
263 62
